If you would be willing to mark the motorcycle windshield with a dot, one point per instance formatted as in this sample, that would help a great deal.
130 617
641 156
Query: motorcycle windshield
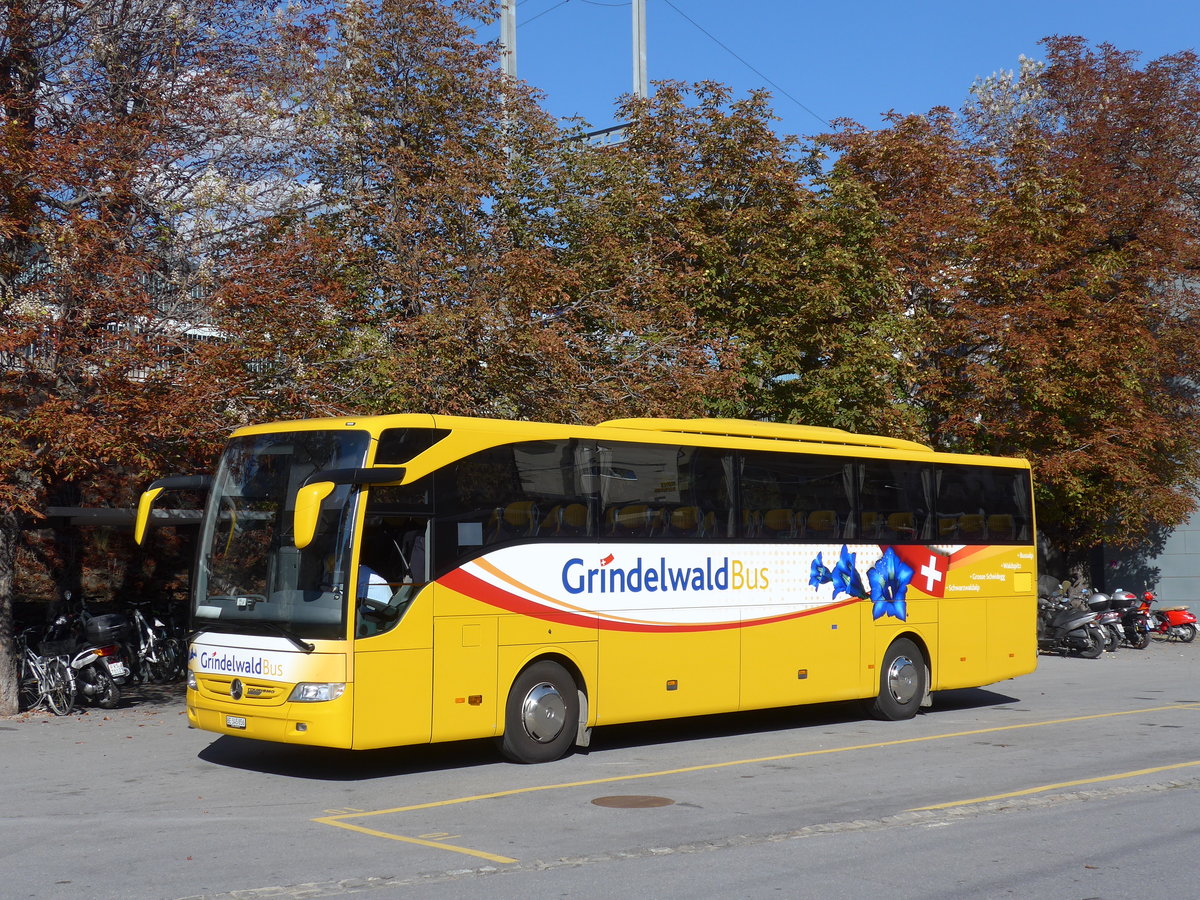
251 577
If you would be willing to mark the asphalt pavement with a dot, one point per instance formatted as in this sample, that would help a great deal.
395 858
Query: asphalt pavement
1078 781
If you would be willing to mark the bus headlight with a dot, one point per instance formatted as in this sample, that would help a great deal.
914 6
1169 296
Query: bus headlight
311 692
191 680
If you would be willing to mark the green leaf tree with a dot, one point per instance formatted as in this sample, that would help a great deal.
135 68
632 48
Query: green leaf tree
1046 239
477 280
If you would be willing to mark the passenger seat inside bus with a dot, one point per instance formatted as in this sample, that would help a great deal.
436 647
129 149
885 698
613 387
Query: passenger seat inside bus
822 523
685 520
901 525
971 527
570 519
1001 527
872 524
634 520
778 523
514 520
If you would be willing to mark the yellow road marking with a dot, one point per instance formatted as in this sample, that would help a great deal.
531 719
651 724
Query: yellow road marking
435 845
1059 786
338 820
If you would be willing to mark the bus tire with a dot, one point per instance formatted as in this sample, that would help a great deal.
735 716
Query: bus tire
541 715
901 682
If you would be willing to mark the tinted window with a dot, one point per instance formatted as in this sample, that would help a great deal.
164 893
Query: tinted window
578 490
398 445
895 499
655 491
538 489
792 496
982 505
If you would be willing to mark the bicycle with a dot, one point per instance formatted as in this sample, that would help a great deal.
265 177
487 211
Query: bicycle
160 657
44 680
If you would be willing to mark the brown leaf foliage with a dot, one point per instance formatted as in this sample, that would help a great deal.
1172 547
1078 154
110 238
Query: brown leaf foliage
1048 239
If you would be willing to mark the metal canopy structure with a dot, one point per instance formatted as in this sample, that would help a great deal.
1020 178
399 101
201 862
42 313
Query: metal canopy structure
120 518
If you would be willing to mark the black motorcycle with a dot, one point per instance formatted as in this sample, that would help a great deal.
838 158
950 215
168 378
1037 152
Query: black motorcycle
93 645
1136 622
1068 626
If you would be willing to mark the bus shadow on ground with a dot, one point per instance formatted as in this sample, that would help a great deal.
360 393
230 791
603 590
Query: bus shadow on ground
783 719
969 698
324 764
150 695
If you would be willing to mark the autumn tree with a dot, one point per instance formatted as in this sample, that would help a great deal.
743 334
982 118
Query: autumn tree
116 120
703 227
444 187
1046 240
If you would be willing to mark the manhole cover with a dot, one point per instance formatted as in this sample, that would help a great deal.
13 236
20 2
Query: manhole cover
633 801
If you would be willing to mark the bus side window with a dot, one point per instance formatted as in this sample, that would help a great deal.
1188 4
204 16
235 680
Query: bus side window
392 568
991 504
902 492
797 496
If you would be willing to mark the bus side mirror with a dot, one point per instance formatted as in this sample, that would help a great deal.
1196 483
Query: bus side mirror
308 510
145 504
170 483
321 485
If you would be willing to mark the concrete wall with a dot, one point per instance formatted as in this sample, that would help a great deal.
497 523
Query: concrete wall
1170 566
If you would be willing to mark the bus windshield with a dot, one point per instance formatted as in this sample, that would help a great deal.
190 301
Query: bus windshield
250 575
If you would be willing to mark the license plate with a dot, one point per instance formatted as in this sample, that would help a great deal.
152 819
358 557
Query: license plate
235 722
117 670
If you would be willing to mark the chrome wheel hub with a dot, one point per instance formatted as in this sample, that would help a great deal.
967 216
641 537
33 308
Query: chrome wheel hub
544 713
902 679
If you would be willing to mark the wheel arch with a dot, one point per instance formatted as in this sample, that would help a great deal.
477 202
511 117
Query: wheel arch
584 729
930 666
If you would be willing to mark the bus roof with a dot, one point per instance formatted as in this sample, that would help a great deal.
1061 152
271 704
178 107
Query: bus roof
811 434
489 432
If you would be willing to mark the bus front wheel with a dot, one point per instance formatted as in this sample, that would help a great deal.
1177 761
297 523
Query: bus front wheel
541 715
902 683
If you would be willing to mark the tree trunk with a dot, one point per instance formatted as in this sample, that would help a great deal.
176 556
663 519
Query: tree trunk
10 534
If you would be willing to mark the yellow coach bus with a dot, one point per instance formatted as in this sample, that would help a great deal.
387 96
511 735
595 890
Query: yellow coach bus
406 579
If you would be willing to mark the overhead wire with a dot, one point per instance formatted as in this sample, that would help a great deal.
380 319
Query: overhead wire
727 49
712 37
543 12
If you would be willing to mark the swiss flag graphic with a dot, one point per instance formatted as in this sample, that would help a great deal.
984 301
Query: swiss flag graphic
929 569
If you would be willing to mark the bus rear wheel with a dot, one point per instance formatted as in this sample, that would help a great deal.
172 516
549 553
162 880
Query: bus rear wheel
902 682
541 715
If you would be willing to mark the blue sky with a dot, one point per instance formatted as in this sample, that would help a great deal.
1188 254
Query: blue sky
839 59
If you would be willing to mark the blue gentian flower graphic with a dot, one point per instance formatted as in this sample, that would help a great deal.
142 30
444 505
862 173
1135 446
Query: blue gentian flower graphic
846 579
819 574
889 584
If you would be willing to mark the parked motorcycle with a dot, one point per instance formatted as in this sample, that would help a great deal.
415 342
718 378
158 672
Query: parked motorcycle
1068 626
1135 623
92 643
1175 622
1107 618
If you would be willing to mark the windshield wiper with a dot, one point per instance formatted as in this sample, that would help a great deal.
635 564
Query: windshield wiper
236 626
284 632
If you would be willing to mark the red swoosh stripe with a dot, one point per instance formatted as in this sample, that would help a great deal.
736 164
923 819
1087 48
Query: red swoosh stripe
478 589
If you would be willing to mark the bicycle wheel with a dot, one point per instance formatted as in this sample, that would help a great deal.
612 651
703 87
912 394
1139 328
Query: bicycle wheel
59 687
154 665
174 658
28 694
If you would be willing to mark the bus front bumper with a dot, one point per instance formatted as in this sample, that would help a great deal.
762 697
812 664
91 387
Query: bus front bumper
322 724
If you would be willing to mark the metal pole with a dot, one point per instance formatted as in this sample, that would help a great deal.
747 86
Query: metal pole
639 49
508 38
